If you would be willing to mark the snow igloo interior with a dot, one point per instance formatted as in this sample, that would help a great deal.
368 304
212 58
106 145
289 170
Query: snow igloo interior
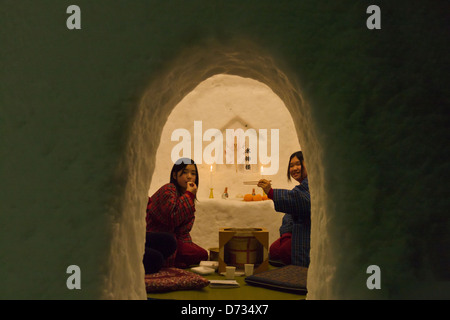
226 87
83 113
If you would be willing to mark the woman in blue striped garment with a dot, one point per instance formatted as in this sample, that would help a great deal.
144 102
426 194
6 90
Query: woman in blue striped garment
293 246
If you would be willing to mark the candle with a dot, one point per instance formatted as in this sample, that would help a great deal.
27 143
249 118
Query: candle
211 195
210 177
262 177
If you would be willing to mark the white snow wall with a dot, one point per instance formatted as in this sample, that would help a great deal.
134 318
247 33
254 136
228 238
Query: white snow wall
81 113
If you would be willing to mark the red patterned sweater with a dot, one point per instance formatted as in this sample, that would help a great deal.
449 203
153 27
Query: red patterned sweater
168 211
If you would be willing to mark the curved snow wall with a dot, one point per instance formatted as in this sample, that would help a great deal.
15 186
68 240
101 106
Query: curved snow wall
82 113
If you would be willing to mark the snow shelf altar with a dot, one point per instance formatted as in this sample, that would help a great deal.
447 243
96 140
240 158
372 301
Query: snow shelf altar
213 214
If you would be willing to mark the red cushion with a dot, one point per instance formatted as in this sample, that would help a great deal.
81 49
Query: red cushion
171 279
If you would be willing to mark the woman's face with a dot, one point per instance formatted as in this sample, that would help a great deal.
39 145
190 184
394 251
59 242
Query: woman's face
295 169
188 174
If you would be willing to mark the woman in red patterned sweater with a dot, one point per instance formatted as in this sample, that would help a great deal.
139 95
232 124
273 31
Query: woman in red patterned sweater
171 210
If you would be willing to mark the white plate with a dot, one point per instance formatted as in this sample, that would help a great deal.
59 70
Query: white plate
202 270
209 264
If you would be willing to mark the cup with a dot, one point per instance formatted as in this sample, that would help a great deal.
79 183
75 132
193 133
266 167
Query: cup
229 273
248 269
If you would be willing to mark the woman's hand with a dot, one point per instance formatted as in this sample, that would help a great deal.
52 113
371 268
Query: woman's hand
265 185
191 187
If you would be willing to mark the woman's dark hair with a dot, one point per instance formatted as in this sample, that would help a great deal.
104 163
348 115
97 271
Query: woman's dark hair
179 165
299 156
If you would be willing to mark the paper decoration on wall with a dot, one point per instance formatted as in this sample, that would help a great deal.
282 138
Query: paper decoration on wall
238 151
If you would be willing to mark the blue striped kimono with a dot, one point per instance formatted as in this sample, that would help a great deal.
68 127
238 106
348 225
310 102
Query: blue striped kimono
296 204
